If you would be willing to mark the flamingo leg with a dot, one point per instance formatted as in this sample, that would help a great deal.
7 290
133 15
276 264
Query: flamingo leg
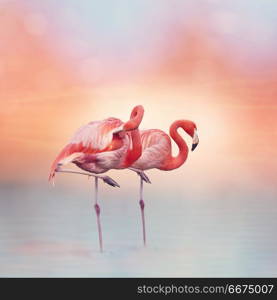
141 174
97 210
106 179
142 205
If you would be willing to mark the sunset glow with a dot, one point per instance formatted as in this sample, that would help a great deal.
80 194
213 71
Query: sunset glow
200 68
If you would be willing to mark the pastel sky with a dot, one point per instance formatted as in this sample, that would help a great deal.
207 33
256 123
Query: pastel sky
65 63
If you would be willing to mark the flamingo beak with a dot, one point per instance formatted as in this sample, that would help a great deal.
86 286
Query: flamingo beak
195 140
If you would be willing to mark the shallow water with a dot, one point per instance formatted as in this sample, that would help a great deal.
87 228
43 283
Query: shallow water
52 232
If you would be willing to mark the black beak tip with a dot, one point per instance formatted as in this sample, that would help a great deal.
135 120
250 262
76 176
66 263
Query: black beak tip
193 147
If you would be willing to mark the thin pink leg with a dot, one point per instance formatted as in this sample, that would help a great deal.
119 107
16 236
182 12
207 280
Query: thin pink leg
141 203
97 210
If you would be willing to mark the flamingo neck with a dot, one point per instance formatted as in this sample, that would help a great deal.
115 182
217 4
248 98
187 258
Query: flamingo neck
175 162
136 148
135 118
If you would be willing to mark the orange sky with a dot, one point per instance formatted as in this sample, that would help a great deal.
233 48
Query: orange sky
43 101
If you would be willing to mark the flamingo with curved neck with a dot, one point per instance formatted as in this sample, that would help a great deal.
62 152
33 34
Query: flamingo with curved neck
100 146
157 153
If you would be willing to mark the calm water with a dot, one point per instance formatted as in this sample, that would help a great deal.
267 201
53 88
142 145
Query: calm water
52 232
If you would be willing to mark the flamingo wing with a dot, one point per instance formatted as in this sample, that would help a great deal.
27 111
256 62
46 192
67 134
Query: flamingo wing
93 138
156 145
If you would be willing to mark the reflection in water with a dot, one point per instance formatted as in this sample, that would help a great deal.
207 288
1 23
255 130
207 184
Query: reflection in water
52 232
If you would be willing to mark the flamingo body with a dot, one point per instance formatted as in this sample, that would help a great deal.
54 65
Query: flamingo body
156 146
103 145
94 147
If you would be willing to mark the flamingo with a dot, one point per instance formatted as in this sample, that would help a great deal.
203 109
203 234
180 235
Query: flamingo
157 153
100 146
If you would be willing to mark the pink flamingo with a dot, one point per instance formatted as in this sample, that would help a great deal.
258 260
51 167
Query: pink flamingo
100 146
157 153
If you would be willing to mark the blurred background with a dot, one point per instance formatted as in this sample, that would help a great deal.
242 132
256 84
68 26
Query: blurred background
65 63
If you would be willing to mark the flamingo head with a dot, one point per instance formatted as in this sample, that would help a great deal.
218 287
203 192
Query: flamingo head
134 122
191 130
135 118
